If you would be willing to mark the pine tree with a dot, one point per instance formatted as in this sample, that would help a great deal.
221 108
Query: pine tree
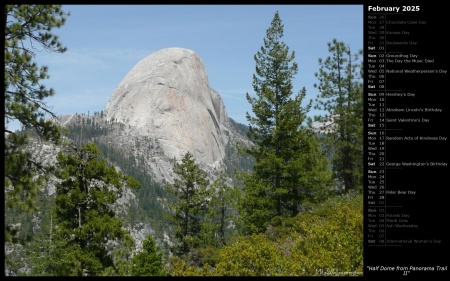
84 223
191 192
149 261
341 98
27 27
280 135
122 258
222 212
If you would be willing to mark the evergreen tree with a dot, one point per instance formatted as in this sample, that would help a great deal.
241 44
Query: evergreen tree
122 258
281 137
27 28
148 262
341 98
83 223
222 212
191 192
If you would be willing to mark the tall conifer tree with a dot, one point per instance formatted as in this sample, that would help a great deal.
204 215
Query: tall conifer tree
27 27
222 212
84 223
190 191
149 261
283 143
341 100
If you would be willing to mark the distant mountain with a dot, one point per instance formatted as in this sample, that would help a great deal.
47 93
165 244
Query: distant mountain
163 108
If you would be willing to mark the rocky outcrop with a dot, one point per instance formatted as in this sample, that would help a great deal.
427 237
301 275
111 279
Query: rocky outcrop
163 108
166 98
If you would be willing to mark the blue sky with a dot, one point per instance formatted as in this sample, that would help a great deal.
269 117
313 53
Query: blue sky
105 41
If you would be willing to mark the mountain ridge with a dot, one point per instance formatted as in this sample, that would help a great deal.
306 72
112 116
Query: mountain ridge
163 108
166 99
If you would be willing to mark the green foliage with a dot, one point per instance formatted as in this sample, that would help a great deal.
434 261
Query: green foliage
22 180
148 209
149 261
235 160
221 213
330 239
121 253
286 151
327 240
255 208
341 99
250 256
240 128
27 234
190 193
84 222
27 27
179 267
204 256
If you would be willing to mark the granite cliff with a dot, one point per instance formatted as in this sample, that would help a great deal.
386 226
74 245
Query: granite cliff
165 107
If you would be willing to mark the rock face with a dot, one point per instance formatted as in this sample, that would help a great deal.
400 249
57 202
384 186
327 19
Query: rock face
163 108
166 98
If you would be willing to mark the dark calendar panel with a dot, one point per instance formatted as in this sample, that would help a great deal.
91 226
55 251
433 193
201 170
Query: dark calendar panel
406 140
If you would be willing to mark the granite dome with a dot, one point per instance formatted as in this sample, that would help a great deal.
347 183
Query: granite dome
167 97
